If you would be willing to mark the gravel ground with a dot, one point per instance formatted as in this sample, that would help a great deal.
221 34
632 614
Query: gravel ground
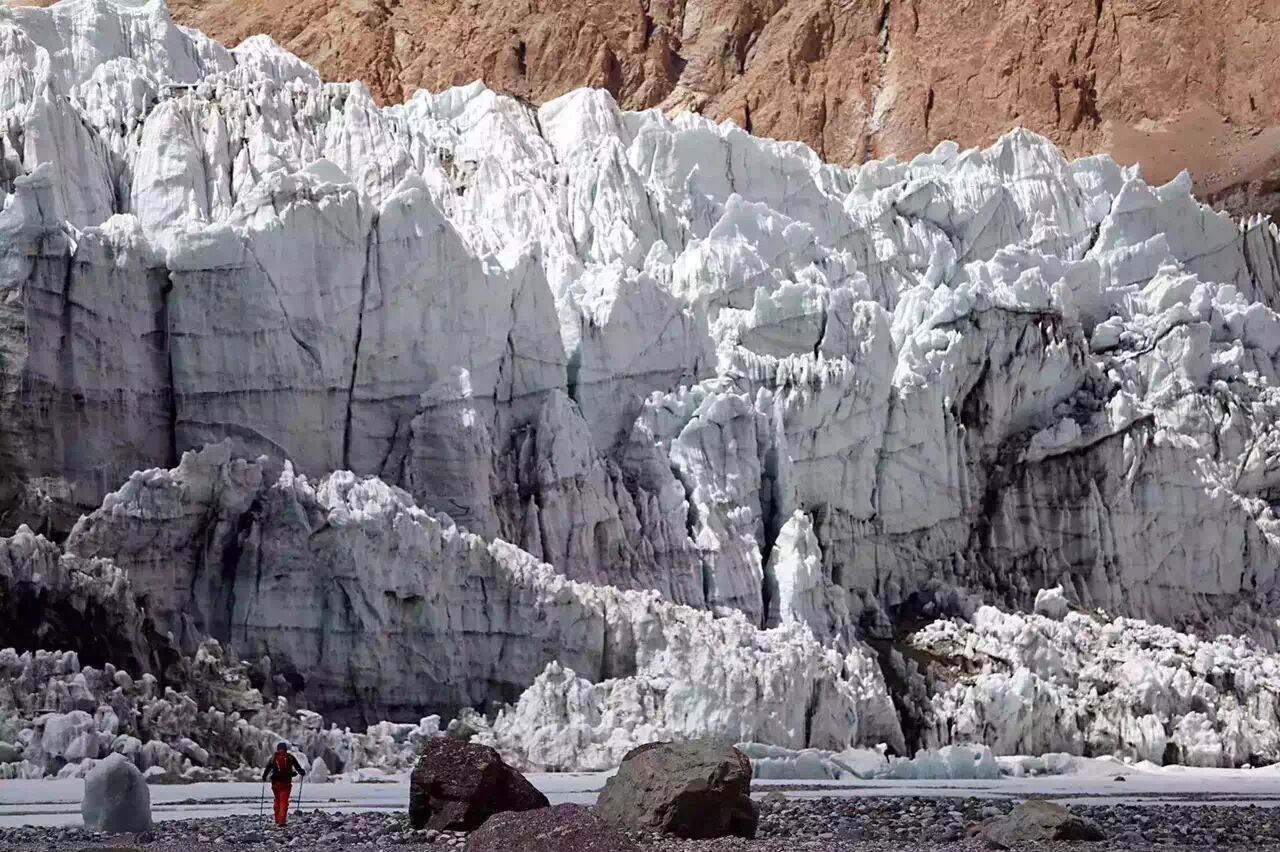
787 825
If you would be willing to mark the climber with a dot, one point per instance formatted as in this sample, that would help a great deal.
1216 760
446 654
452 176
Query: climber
281 770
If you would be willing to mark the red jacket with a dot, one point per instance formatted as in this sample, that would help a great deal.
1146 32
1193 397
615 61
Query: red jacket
282 767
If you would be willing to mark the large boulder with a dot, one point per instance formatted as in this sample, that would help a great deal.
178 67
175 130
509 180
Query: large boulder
564 828
1035 821
457 786
116 798
696 789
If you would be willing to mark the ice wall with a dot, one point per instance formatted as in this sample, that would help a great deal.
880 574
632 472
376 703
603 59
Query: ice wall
653 353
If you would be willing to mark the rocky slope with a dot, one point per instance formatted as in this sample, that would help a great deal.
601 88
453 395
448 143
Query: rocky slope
431 399
1171 84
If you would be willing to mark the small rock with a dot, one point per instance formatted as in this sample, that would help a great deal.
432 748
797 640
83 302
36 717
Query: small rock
774 799
1036 821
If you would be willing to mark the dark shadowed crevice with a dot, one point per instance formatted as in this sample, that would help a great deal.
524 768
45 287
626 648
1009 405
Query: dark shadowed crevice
171 386
910 673
232 555
369 268
32 619
810 710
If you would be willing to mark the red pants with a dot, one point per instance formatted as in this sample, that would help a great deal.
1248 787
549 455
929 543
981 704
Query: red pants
281 790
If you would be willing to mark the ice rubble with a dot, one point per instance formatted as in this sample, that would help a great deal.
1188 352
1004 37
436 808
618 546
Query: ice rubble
950 762
1083 685
680 369
1001 684
786 691
58 718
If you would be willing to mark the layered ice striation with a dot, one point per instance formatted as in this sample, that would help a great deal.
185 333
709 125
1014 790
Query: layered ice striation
438 398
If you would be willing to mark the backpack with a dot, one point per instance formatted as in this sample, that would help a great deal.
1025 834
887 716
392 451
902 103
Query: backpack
280 768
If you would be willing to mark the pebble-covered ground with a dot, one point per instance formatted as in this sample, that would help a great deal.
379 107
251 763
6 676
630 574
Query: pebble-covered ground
786 825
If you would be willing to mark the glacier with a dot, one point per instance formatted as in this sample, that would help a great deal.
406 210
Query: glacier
466 404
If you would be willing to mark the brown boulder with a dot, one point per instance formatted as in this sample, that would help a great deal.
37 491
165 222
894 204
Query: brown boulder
457 786
698 789
564 828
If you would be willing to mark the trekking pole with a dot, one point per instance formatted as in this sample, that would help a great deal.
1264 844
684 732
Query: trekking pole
262 798
301 782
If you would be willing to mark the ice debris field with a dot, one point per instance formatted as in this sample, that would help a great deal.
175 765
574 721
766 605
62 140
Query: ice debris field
582 428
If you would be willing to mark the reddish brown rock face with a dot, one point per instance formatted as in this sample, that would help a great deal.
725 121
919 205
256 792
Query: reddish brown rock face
1172 84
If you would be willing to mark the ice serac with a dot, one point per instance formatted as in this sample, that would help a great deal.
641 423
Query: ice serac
263 317
1080 685
553 386
715 675
63 717
84 374
86 606
348 585
576 511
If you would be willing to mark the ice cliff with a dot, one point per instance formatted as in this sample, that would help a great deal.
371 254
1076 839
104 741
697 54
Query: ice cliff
434 399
